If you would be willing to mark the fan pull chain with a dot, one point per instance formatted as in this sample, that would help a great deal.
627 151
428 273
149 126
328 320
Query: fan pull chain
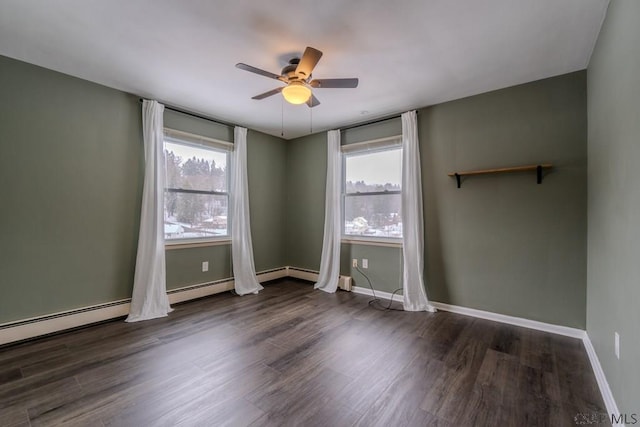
282 117
311 120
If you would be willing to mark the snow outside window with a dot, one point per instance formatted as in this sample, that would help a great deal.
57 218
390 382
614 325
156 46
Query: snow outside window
197 189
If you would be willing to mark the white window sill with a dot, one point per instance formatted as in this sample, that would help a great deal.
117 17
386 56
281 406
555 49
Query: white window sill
372 241
185 244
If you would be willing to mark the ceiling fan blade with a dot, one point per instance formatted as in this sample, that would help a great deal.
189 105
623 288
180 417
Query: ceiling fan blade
258 71
308 62
313 101
334 83
268 94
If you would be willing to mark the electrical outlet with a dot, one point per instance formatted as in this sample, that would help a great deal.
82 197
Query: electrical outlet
205 266
354 263
365 263
617 344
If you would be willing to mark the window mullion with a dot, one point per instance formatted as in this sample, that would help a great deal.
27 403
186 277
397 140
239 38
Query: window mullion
372 193
191 191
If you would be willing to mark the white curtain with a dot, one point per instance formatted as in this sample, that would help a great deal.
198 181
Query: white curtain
149 299
244 270
330 262
415 296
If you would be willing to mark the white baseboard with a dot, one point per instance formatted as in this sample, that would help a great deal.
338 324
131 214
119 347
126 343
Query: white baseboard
603 384
29 328
276 273
198 291
344 282
56 322
511 320
379 294
302 274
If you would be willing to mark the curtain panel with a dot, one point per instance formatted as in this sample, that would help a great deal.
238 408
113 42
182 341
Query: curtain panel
330 261
149 299
244 270
414 293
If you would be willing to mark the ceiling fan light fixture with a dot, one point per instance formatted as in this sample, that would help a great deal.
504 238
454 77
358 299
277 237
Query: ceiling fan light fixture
296 93
297 78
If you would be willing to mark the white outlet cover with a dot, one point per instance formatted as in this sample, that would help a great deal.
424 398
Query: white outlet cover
365 263
617 344
354 262
205 266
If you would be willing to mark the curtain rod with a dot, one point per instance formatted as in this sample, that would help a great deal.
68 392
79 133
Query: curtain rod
199 116
372 122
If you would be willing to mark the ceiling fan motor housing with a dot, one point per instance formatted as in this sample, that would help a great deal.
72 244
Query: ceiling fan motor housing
289 71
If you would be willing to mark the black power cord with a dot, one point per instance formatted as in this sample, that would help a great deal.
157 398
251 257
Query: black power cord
375 302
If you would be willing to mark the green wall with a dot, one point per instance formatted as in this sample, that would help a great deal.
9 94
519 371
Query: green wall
500 243
266 162
368 132
613 285
184 266
71 185
385 265
306 178
71 174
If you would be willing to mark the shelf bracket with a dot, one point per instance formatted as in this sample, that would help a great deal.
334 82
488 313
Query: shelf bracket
539 174
458 179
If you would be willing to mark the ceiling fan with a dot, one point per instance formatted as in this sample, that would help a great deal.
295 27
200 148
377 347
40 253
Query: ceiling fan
297 78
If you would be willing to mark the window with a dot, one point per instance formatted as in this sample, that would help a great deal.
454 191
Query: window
196 198
372 189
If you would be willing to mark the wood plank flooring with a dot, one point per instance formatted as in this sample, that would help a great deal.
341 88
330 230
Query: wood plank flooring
295 356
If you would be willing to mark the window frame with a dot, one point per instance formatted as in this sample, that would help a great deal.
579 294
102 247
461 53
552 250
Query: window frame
202 142
360 148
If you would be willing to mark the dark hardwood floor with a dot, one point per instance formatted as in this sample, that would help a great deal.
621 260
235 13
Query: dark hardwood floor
294 356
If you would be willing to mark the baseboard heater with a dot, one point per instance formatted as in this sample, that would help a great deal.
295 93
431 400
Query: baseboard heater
344 282
43 325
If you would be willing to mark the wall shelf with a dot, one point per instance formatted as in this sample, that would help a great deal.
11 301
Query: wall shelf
538 168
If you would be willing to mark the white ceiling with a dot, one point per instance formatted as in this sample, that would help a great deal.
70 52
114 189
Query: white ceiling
407 53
